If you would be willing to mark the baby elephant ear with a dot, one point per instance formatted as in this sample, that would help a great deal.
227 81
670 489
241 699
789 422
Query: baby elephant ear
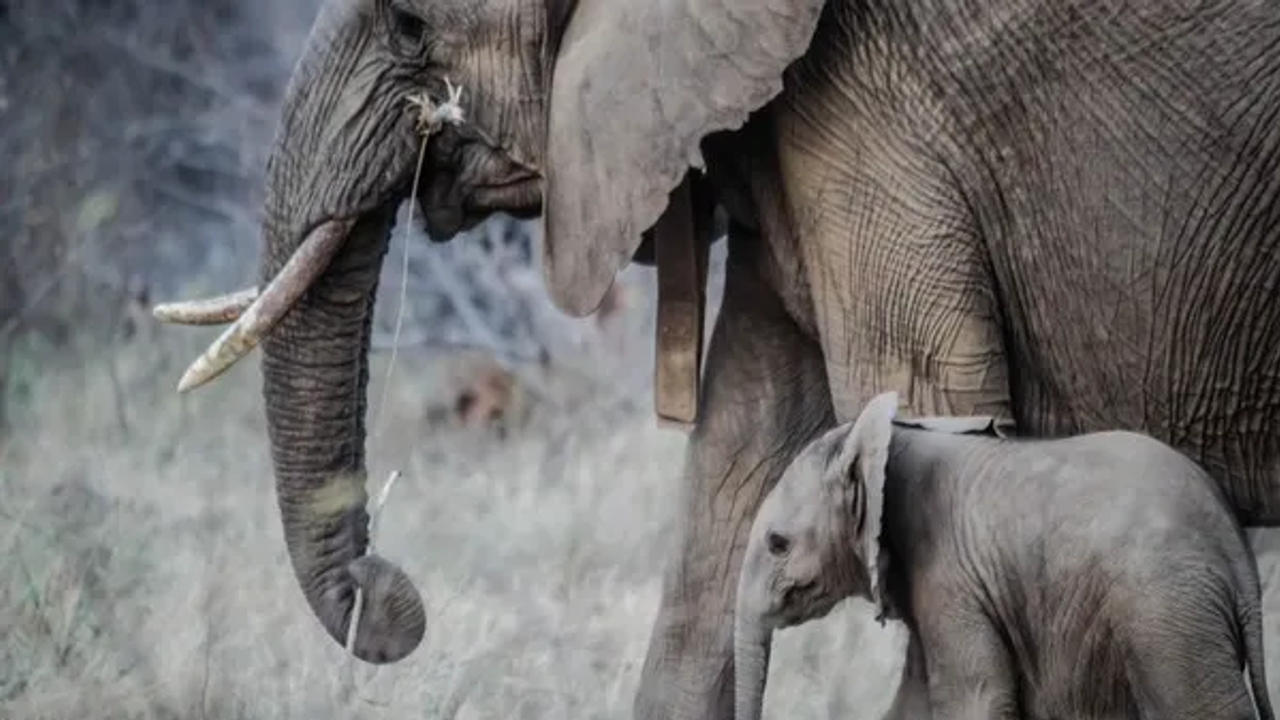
862 460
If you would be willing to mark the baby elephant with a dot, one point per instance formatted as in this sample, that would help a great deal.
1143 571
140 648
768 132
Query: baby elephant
1099 576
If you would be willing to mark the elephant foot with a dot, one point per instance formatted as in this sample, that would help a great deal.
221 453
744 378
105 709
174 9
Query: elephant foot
688 673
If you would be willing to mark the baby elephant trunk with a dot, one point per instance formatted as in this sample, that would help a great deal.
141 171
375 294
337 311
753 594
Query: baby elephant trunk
751 641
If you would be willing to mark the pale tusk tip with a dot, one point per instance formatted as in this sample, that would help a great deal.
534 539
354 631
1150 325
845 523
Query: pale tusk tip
191 380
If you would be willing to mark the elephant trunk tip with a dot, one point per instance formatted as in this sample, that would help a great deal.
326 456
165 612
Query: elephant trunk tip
391 620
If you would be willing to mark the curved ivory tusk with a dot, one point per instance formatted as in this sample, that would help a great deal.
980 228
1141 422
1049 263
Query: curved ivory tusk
207 311
307 263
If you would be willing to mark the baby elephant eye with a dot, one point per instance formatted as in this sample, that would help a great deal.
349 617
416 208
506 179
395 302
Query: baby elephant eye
778 545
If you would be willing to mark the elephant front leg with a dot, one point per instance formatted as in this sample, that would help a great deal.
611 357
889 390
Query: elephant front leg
765 396
971 675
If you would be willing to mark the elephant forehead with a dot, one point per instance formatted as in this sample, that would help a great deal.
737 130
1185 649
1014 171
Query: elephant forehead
802 489
813 461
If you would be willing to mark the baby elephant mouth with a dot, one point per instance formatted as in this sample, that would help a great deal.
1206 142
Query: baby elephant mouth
804 601
797 593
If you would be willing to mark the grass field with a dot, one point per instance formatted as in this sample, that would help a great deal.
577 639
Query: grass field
144 574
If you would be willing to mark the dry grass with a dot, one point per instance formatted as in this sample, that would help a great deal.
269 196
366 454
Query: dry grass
144 575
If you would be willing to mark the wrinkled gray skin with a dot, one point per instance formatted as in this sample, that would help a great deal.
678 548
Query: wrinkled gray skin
1099 576
1062 212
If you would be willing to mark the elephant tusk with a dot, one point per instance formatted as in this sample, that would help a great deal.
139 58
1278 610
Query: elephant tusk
307 263
207 311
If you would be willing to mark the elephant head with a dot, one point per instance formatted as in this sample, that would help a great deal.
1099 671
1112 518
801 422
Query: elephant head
815 541
589 112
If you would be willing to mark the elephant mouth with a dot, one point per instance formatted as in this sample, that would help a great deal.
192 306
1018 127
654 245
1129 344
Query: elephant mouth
519 194
473 182
803 603
520 197
467 175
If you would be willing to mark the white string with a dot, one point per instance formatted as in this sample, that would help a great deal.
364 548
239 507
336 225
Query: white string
404 285
431 118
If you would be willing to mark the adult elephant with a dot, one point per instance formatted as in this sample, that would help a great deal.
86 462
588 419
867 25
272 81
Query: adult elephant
1063 212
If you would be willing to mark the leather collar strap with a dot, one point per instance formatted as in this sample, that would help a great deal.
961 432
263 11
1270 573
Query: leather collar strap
681 257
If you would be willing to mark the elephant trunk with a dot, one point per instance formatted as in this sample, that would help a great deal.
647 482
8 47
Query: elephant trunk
315 359
315 374
751 641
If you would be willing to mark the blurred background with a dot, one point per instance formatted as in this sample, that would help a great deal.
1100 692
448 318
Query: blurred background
142 569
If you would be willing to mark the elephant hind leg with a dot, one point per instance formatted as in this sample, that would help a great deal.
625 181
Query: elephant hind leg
1217 701
1189 678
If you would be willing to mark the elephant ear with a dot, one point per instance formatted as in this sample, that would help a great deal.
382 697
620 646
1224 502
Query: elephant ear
863 457
636 86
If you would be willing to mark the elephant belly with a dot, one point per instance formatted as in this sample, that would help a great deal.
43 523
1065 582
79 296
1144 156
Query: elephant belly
902 294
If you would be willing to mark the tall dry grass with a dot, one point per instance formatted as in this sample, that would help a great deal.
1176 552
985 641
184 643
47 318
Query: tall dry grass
145 575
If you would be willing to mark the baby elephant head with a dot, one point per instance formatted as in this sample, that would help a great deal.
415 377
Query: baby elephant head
814 542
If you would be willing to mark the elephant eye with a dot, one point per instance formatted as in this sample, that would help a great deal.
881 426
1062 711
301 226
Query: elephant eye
778 545
408 26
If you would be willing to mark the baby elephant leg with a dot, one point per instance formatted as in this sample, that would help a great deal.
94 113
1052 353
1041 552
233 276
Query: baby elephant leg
912 700
970 672
1193 681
